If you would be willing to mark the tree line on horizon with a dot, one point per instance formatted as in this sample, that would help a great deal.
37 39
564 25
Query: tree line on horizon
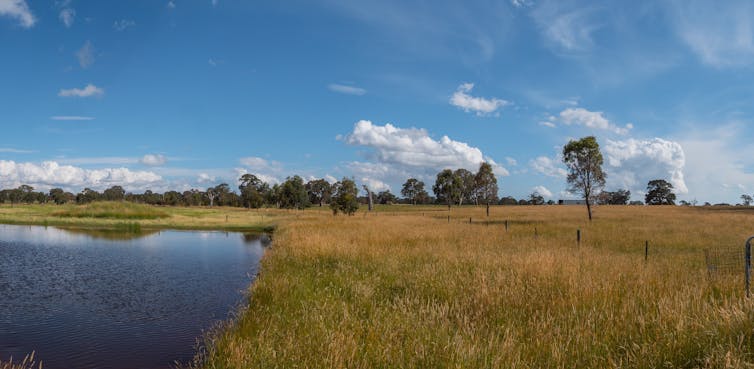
452 187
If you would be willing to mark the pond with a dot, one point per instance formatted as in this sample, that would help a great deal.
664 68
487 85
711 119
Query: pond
107 300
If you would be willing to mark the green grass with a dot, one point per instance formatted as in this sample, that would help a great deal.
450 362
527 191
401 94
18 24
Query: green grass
113 210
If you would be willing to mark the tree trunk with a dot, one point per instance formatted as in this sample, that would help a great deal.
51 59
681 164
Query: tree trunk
371 202
488 209
588 208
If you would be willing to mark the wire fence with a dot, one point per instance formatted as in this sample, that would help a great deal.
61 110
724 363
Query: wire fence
724 261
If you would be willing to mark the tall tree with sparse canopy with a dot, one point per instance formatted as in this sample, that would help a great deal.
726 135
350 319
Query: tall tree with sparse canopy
485 186
413 189
447 187
466 185
746 200
584 162
659 192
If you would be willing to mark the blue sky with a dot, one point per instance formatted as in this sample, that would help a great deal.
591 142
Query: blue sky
188 94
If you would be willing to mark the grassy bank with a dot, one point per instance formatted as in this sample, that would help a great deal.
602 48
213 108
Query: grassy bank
407 289
122 215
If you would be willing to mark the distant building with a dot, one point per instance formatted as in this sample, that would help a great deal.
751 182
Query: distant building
571 202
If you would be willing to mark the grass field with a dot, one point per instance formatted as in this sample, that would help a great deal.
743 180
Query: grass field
123 215
403 287
407 289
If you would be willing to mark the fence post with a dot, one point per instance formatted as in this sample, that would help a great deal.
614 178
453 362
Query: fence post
535 233
646 250
448 219
506 225
747 265
578 236
469 220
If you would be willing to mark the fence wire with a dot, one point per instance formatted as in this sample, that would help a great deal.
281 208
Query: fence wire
724 261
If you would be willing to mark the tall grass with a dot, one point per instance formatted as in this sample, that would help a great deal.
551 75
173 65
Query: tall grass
410 290
28 362
113 210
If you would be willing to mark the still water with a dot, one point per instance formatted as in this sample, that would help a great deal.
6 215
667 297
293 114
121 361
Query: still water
107 300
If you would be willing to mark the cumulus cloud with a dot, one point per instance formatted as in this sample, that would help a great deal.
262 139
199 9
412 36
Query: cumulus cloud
123 24
89 90
591 119
85 55
205 178
413 147
19 10
397 153
719 164
153 159
631 164
50 174
170 4
549 167
720 33
479 105
15 151
542 190
67 16
345 89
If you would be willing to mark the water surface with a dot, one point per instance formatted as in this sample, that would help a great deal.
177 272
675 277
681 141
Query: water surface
88 301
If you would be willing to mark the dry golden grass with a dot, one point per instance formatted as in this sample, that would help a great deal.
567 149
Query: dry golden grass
28 362
406 289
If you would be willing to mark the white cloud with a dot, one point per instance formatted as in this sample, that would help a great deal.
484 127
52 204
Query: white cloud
719 164
330 179
67 16
123 24
591 119
413 147
511 161
18 9
479 105
720 33
99 160
51 174
88 91
542 190
398 153
632 163
15 151
521 3
70 117
547 124
269 171
345 89
205 178
85 55
569 29
215 2
153 159
170 5
549 167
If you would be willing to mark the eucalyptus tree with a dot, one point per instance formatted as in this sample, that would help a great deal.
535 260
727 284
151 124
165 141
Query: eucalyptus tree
466 182
447 187
659 192
413 190
252 191
583 160
485 186
319 191
293 193
345 197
